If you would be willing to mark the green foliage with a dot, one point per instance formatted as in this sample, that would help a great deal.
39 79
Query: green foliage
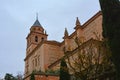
57 71
111 29
50 71
9 77
32 77
64 74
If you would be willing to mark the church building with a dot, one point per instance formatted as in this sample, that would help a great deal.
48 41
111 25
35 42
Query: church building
43 54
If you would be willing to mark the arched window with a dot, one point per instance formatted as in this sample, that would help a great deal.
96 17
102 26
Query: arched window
42 38
36 38
33 64
36 62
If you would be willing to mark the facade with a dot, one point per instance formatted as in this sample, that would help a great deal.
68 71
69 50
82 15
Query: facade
43 54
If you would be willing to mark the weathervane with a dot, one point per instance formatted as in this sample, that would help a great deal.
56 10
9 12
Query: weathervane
37 16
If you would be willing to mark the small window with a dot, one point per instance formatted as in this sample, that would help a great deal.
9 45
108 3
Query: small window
42 38
36 38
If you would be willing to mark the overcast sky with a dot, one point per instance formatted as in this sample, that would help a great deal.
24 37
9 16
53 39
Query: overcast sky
17 16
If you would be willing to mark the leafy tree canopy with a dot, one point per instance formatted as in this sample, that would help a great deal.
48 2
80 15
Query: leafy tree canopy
111 29
64 74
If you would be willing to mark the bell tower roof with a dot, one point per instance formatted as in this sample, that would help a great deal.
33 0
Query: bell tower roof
37 27
37 23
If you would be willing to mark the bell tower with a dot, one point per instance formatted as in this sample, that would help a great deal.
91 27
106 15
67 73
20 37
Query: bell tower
36 36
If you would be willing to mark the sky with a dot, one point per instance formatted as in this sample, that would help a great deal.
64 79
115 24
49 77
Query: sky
17 16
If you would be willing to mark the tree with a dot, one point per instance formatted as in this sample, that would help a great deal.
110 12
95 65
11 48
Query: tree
64 74
32 77
9 77
111 29
90 60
